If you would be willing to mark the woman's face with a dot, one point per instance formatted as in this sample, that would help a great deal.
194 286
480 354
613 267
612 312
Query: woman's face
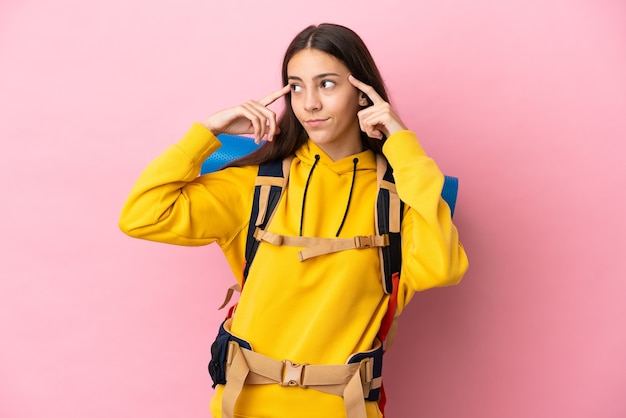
325 102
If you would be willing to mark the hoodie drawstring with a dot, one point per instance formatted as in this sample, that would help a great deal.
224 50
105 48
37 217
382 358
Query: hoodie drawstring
356 160
306 188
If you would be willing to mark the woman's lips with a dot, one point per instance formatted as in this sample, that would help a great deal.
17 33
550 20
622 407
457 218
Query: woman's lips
314 123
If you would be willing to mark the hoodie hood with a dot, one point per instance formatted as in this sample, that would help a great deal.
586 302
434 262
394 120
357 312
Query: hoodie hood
328 187
307 152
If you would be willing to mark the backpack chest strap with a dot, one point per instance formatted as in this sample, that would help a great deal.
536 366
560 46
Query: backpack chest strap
315 246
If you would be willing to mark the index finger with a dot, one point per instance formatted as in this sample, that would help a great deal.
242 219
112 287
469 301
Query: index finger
272 97
367 89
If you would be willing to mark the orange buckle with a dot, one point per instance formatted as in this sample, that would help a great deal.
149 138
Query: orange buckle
293 374
361 241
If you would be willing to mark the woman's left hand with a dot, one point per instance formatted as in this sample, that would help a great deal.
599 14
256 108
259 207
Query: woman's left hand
379 120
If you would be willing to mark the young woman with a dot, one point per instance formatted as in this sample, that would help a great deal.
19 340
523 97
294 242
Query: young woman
289 350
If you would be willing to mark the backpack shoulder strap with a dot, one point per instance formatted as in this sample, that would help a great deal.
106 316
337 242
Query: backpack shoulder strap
388 217
268 190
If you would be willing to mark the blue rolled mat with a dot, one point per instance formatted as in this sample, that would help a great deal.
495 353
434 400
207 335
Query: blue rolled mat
233 147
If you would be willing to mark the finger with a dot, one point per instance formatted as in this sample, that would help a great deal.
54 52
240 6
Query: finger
267 124
362 124
374 123
365 117
385 117
256 118
272 97
273 127
367 89
269 121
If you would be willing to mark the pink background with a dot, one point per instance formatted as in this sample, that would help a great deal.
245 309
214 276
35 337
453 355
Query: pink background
525 101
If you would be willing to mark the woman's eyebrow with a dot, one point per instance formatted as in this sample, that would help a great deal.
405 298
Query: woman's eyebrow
323 75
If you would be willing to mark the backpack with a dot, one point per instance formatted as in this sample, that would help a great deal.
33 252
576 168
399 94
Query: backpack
270 184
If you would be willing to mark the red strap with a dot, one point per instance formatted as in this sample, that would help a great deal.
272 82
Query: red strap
231 310
391 308
382 400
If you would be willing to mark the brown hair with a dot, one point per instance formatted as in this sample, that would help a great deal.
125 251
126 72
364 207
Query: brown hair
343 44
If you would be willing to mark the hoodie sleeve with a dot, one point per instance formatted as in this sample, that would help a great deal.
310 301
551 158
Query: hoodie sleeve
432 254
170 203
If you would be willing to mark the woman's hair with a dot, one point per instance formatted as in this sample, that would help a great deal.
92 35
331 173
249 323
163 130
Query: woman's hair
343 44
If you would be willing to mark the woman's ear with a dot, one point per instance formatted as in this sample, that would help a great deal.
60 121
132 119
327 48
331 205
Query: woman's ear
363 99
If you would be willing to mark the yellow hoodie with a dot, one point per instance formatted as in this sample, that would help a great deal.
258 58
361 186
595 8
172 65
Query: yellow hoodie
321 310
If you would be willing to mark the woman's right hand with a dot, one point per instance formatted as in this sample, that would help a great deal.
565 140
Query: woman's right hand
252 117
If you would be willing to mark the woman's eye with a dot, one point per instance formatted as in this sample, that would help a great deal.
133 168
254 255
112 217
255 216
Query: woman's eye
326 84
295 88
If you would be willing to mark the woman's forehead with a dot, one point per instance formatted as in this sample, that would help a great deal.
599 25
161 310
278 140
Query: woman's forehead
311 62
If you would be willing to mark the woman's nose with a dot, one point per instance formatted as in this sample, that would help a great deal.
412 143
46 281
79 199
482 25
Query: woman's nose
312 101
